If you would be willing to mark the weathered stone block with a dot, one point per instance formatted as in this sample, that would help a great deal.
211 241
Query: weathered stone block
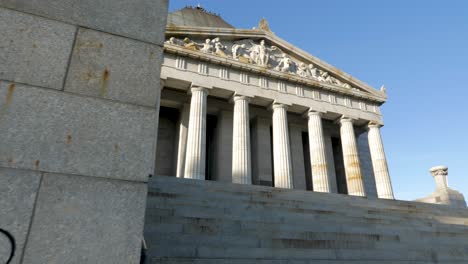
113 67
53 131
140 19
34 50
18 190
86 220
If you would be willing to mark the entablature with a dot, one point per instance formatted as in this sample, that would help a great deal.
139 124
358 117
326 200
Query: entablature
188 68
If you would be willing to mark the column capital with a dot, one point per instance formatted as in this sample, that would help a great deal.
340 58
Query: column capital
439 171
278 105
373 124
345 119
236 97
198 88
312 112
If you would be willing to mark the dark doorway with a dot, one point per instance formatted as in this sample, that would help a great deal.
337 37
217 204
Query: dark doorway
339 166
307 166
272 158
167 131
211 123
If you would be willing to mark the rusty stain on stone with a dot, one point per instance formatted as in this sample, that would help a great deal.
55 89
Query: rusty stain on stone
105 82
11 90
69 139
116 147
34 45
36 164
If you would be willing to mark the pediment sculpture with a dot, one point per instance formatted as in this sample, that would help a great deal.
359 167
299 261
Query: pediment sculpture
250 52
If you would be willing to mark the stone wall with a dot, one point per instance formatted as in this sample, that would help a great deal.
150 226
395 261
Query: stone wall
79 102
193 221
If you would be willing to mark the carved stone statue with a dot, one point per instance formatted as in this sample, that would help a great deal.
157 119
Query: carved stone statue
260 54
247 51
172 40
189 44
240 53
207 46
302 70
237 50
324 77
336 81
312 72
284 63
219 47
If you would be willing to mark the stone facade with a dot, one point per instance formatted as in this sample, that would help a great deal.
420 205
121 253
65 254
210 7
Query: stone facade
263 112
79 107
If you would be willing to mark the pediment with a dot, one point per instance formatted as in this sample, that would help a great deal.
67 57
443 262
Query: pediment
265 52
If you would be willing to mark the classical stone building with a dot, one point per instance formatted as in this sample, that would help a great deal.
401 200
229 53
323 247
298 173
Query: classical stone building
276 157
245 106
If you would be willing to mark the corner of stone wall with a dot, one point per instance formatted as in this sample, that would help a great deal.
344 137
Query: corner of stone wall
79 105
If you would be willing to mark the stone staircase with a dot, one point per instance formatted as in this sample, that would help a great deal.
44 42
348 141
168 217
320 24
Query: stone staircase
191 221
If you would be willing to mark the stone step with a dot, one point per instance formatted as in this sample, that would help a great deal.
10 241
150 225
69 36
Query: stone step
430 255
183 186
190 221
275 214
282 261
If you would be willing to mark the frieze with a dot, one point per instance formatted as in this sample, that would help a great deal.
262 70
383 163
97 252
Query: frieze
271 57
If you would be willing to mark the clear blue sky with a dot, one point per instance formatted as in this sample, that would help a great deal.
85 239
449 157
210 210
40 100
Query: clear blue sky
418 49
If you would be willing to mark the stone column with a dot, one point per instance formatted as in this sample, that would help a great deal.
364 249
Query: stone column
196 137
241 162
182 142
318 159
353 172
440 176
281 152
379 163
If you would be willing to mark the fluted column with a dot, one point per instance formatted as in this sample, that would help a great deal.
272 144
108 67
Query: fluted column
318 160
196 137
352 165
241 162
281 149
182 143
379 163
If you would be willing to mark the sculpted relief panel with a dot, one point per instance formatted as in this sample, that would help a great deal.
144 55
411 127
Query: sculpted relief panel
271 57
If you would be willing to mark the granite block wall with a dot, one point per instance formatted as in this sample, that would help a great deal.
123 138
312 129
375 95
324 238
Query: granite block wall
79 105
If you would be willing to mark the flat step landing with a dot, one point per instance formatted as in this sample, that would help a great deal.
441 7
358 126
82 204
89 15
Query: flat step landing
192 221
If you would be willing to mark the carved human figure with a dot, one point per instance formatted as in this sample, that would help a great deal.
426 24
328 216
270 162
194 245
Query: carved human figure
260 54
172 40
324 77
219 47
284 63
207 46
336 81
312 71
189 44
302 70
237 50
